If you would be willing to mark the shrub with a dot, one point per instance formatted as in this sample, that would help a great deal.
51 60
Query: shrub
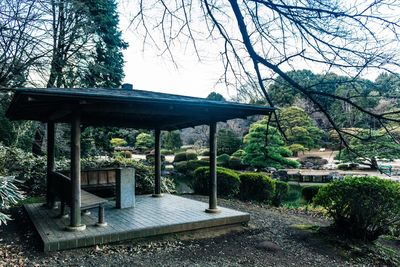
166 152
205 152
256 186
223 160
9 196
118 142
235 163
25 167
188 167
309 192
228 181
281 192
228 142
185 156
144 142
239 153
362 207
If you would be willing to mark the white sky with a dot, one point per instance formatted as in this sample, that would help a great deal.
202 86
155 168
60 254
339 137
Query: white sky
148 70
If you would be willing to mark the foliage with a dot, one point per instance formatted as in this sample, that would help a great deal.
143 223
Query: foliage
256 186
228 142
144 141
281 192
235 163
215 96
239 153
118 142
185 156
264 150
370 146
166 152
171 140
296 148
9 196
223 160
299 128
362 207
28 169
228 181
188 167
309 192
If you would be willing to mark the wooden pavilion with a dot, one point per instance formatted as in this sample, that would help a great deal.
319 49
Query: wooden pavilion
126 107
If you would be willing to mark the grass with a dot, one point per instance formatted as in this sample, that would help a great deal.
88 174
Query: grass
31 200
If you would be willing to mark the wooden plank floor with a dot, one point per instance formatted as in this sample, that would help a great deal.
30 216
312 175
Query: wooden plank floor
150 217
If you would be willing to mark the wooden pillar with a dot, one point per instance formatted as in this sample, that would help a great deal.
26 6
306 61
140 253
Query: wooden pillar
213 170
157 163
75 215
50 200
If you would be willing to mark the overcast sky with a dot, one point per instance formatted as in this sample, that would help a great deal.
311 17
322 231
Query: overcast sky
148 70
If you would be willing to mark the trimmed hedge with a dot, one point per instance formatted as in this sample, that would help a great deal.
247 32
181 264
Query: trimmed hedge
185 156
228 181
256 186
235 163
281 192
188 167
362 207
223 160
309 192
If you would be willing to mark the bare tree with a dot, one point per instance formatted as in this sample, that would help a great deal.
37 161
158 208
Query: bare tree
263 39
21 46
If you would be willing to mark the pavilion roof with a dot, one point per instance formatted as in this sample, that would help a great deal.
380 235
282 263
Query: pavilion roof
124 108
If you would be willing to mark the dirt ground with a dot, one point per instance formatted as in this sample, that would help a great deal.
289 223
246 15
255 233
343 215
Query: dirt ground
274 237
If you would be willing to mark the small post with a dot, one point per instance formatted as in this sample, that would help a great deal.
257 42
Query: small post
75 222
101 222
213 170
157 163
50 200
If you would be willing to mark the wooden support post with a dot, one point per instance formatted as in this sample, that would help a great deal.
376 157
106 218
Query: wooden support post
50 199
75 222
101 222
213 170
157 163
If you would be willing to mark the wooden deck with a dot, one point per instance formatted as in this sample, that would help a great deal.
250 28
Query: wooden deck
150 217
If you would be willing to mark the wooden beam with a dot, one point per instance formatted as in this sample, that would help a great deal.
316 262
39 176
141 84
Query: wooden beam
212 208
75 215
157 163
50 199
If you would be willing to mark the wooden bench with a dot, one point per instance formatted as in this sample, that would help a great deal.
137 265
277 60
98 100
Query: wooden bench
61 188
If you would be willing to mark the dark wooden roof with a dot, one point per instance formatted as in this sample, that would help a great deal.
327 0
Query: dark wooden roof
124 108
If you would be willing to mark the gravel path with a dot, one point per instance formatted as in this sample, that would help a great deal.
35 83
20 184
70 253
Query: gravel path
274 237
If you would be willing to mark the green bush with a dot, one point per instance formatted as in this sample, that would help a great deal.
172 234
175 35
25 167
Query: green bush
188 167
223 160
166 152
185 156
309 192
256 186
235 163
239 153
205 152
228 181
281 192
362 207
28 169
